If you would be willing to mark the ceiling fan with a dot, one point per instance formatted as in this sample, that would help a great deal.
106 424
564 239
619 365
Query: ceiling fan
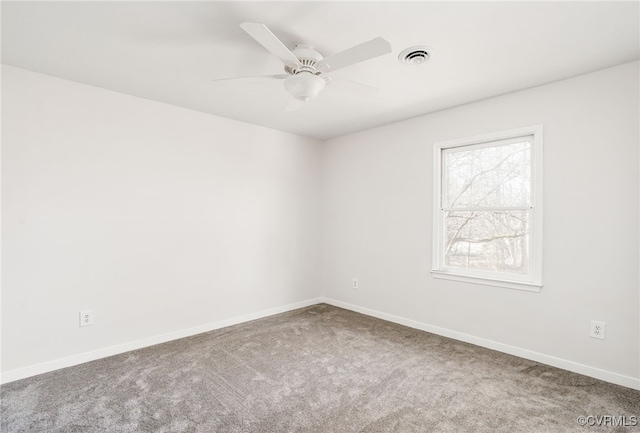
305 69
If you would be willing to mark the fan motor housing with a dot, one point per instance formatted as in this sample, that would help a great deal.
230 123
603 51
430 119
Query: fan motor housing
308 58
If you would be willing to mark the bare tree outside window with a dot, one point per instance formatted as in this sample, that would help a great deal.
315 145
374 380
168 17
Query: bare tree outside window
486 203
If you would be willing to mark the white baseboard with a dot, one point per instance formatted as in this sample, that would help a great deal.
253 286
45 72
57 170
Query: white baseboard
81 358
45 367
564 364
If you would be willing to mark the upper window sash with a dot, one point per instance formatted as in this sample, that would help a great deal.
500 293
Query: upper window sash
520 196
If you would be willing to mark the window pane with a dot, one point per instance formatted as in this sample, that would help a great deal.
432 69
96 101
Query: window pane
488 241
495 176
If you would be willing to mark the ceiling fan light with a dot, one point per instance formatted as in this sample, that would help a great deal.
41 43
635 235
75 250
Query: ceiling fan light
304 86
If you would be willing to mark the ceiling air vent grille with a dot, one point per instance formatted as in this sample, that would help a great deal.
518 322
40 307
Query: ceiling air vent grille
414 55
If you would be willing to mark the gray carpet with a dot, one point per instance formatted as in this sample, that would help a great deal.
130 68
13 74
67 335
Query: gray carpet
319 369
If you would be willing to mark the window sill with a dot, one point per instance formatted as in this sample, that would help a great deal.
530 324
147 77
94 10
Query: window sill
517 285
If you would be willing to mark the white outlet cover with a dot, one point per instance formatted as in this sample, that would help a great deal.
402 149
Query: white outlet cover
86 317
597 330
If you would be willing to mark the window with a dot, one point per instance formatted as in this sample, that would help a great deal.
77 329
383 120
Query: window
488 209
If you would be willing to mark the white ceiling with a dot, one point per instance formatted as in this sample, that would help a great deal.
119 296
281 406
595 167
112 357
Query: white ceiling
171 52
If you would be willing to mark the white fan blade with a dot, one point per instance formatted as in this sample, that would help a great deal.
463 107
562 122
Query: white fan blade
293 104
267 39
352 87
365 51
256 79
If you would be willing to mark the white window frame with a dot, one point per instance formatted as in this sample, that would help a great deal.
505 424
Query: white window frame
530 282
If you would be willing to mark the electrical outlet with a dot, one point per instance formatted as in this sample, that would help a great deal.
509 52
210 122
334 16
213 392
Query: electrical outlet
597 329
86 318
354 284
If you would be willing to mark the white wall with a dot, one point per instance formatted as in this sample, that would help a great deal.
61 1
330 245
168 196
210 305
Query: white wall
163 219
159 218
377 225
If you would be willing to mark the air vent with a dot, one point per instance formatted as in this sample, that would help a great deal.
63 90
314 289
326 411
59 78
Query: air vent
414 55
